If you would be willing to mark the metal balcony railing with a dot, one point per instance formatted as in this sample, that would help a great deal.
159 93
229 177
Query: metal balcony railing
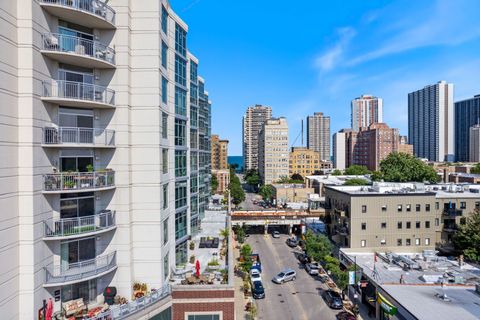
80 225
80 270
72 135
95 7
72 181
452 212
72 44
78 90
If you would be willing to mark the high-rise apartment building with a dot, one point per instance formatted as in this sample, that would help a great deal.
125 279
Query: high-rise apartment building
306 162
273 150
318 134
366 110
340 149
467 114
219 153
253 121
431 122
369 146
474 144
105 149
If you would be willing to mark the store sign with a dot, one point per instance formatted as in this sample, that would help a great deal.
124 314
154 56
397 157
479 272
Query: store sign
386 305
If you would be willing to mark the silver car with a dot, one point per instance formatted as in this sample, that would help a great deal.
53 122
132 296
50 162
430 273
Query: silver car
284 276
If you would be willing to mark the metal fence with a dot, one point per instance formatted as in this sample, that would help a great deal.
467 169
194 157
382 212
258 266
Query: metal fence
73 44
78 91
70 181
79 225
80 270
95 7
61 135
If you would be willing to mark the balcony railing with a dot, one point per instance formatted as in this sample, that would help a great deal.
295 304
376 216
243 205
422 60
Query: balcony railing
79 225
124 311
95 7
62 89
71 44
78 271
452 212
74 181
68 135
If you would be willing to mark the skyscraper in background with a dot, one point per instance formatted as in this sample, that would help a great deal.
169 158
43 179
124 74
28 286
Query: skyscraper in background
253 121
366 110
273 150
339 149
431 122
474 143
318 134
467 114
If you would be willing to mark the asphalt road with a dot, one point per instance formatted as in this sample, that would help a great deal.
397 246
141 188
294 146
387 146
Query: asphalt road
248 204
294 300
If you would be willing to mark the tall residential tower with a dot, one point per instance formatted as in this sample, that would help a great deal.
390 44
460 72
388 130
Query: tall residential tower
467 114
253 121
318 134
273 150
366 110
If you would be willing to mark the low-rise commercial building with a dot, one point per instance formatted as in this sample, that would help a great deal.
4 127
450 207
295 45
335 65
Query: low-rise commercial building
292 192
318 182
306 162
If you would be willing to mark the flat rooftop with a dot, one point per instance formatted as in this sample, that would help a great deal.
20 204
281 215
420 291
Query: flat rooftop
335 180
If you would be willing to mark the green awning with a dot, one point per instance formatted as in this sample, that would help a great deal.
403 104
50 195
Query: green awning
386 305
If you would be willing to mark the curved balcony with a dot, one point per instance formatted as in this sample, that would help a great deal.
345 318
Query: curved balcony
62 229
70 182
77 51
78 137
77 94
89 13
64 274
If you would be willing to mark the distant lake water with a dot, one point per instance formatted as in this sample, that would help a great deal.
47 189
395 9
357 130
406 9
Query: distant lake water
236 160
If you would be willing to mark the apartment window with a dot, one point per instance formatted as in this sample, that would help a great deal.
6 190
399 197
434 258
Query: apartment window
384 207
383 225
193 94
364 209
193 116
76 205
164 161
417 241
463 221
193 184
427 207
463 205
408 224
180 101
193 161
477 205
164 20
364 226
165 231
87 290
165 196
180 71
383 242
180 135
180 194
437 205
427 224
166 267
437 222
193 71
181 253
408 207
399 225
180 224
180 40
164 90
417 224
203 317
193 205
363 243
399 208
180 163
418 207
427 241
399 242
164 55
164 125
408 242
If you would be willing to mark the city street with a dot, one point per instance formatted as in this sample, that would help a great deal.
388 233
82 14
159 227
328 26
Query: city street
300 299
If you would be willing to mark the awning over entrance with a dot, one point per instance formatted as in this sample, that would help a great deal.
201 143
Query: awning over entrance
386 305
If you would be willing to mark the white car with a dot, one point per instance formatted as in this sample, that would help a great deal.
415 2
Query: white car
255 275
312 268
276 234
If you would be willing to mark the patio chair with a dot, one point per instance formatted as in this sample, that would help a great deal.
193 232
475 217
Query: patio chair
51 42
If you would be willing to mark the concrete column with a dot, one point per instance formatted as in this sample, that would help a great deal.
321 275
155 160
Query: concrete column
266 229
290 229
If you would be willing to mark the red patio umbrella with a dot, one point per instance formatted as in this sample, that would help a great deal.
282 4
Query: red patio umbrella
197 268
49 312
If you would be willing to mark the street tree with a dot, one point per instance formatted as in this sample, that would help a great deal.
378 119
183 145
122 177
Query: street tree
467 239
214 183
356 170
356 182
267 192
402 167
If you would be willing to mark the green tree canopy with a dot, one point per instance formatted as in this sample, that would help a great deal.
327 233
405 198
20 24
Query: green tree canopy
252 178
402 167
214 183
267 192
356 182
296 178
475 169
467 239
336 172
317 246
237 193
356 170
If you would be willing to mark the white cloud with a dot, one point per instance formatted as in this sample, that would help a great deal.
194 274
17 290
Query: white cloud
330 57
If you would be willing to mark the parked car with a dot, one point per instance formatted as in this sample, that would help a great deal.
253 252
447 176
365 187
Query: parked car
303 258
312 268
284 276
255 275
292 242
276 234
258 291
333 299
345 315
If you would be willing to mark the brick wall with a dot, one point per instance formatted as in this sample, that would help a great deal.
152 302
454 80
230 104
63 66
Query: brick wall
203 301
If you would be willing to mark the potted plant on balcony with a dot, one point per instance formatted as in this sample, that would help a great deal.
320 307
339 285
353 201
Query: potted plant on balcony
192 259
90 167
192 245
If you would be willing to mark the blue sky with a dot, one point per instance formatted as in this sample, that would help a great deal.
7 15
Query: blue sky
316 56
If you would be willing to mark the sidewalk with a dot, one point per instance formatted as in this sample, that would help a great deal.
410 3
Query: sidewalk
240 301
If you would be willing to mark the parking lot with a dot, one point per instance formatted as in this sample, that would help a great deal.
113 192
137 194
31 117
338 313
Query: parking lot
299 299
